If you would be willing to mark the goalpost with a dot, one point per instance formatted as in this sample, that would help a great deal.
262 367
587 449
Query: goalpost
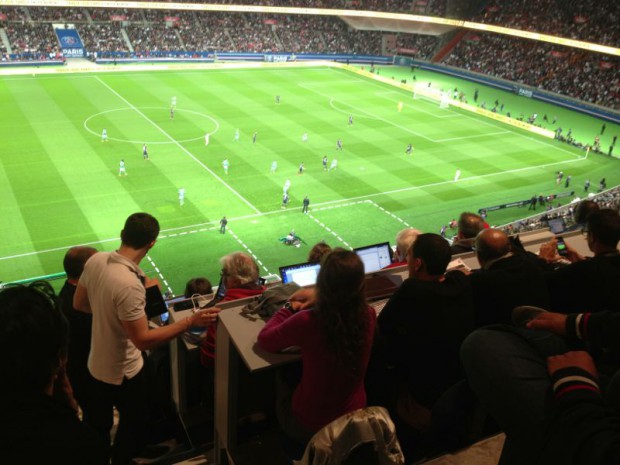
423 92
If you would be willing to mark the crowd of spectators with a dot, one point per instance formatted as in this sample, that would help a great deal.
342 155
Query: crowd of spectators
420 46
32 39
254 35
153 38
132 15
214 36
589 76
588 20
15 13
57 15
298 33
103 37
417 357
608 199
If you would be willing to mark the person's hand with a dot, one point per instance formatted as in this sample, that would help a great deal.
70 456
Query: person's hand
549 251
554 322
302 299
572 255
204 318
576 359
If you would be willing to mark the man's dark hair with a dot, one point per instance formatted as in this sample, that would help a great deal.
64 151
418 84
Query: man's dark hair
604 226
200 286
583 210
470 224
140 230
34 337
75 259
434 251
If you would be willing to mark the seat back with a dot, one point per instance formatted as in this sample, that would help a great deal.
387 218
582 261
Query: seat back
365 436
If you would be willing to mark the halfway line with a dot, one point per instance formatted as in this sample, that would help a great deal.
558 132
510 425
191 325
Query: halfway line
187 152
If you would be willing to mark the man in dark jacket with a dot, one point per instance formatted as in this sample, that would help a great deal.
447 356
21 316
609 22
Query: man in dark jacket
469 225
80 324
505 280
598 276
421 328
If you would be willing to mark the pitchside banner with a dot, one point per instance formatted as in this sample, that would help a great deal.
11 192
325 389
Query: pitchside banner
70 42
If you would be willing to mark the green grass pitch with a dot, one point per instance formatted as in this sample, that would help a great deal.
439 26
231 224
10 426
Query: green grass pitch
60 186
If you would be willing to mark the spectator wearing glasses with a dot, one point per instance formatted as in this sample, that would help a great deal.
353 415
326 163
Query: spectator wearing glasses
597 276
241 279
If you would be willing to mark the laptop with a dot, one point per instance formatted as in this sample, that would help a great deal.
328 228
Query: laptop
304 274
375 257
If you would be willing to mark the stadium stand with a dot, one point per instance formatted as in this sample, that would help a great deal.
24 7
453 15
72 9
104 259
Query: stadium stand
588 76
589 20
103 37
591 77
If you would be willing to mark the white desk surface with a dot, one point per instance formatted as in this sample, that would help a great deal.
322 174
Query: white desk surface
243 334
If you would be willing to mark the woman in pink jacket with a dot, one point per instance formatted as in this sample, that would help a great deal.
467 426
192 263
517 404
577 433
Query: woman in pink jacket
334 327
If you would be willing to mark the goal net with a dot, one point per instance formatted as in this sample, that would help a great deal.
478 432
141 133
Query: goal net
423 92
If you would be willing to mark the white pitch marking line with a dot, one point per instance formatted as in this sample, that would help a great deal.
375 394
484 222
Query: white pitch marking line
159 273
250 252
464 114
441 183
434 115
371 115
475 136
173 235
187 152
340 110
396 217
329 230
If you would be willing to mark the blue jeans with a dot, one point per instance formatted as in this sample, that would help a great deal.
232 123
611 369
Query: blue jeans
506 367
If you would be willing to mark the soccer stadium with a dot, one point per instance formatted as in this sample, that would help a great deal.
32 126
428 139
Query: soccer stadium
266 127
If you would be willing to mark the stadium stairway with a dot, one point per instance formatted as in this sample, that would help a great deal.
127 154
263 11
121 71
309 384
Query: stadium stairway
5 41
449 46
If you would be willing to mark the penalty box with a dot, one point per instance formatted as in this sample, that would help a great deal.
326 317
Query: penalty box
195 251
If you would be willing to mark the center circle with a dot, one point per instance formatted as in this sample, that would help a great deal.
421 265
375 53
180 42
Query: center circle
88 124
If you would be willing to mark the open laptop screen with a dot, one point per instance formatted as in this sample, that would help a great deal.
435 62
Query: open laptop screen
304 274
375 257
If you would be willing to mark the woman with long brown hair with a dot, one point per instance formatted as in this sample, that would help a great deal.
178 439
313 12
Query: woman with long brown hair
334 327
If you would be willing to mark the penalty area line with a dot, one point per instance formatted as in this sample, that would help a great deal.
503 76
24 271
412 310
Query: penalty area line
252 254
158 271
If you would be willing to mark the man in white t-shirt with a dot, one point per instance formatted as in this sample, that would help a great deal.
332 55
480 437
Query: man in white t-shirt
113 288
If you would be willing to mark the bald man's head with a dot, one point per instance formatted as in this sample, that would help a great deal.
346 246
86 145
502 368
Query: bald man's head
75 259
491 244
